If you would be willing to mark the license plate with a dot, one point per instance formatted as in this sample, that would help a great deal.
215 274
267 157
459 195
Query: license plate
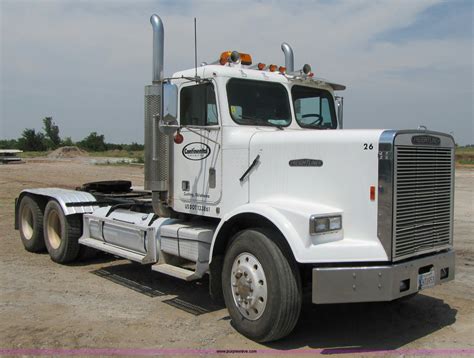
426 280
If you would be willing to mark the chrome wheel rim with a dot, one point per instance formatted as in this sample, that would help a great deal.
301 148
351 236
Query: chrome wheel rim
249 286
54 229
27 222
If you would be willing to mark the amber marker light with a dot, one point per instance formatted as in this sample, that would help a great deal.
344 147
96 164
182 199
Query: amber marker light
272 68
245 59
282 69
224 57
261 66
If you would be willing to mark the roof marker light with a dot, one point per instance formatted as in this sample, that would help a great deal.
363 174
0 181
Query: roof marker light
235 57
261 66
282 69
272 68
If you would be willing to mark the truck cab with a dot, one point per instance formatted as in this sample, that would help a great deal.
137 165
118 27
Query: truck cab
221 115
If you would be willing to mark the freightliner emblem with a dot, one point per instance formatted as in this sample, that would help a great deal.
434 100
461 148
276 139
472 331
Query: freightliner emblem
425 140
306 163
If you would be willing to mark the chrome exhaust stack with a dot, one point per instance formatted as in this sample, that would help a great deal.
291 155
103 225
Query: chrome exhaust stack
289 57
158 47
157 144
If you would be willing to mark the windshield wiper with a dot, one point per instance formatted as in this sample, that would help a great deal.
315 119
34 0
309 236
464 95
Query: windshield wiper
262 121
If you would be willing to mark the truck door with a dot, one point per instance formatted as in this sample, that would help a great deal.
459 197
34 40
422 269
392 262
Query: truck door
197 160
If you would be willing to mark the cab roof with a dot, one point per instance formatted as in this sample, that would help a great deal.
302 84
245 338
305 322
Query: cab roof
243 71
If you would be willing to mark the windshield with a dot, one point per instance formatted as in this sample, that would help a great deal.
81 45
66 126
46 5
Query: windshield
258 103
314 108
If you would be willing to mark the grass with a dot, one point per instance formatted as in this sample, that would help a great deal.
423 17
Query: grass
137 154
33 154
121 162
465 155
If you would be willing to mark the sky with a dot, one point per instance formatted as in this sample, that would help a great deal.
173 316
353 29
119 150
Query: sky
85 63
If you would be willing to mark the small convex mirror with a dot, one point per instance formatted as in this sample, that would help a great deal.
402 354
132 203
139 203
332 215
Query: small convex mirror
169 123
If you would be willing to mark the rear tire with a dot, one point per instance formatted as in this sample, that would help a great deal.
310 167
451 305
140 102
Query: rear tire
30 222
261 286
61 233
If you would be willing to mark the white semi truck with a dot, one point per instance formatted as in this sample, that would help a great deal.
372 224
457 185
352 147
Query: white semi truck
250 179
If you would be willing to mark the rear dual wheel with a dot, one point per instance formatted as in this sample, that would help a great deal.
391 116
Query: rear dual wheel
61 233
30 224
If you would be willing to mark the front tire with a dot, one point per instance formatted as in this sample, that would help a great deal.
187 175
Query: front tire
61 233
261 286
31 225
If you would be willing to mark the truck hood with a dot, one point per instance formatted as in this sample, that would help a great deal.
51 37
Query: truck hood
329 168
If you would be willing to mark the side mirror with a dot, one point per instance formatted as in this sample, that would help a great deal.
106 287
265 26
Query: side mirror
168 124
340 110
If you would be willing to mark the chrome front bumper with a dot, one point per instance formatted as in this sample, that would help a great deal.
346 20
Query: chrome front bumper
378 283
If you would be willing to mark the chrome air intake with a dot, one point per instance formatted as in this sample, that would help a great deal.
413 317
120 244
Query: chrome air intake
157 144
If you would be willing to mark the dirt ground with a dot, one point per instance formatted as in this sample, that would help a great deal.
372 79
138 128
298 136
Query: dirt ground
112 303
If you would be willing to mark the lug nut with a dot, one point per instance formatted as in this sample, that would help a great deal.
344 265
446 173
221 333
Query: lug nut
238 275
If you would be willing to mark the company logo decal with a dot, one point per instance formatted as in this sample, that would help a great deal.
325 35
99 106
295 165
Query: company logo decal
425 140
306 163
196 151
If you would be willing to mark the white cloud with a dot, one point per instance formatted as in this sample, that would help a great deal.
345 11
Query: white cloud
86 63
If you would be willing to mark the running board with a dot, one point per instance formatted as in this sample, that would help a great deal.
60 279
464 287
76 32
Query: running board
115 250
175 271
179 272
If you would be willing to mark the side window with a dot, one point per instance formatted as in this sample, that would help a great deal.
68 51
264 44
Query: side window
198 105
313 107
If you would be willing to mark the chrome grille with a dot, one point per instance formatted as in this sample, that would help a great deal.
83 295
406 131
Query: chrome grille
423 199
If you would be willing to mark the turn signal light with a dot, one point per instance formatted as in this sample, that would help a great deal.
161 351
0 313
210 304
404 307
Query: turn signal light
272 68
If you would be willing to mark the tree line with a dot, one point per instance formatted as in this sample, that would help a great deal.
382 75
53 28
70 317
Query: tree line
49 139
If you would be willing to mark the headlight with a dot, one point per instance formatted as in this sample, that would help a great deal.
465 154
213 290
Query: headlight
321 224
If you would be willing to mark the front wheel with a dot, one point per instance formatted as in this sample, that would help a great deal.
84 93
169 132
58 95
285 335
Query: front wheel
261 286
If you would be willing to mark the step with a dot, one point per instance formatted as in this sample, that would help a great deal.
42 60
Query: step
114 250
175 271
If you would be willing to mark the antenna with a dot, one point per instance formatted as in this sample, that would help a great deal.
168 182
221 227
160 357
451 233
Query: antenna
195 49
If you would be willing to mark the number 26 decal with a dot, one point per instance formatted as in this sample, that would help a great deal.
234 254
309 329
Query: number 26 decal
368 146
